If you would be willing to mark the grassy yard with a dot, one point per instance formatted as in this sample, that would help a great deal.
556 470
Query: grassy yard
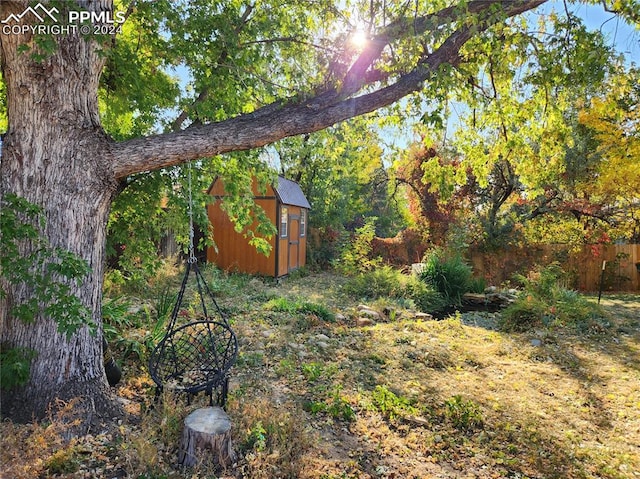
317 397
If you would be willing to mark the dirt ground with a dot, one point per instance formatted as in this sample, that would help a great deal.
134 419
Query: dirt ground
397 397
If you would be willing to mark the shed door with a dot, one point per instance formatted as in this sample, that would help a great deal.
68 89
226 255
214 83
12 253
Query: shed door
294 242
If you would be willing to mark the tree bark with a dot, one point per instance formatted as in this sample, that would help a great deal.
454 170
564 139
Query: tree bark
55 155
282 119
206 428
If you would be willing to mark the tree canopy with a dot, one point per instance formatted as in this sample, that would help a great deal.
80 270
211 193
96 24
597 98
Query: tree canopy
516 79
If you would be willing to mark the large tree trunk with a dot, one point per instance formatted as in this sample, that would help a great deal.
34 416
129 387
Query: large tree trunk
54 156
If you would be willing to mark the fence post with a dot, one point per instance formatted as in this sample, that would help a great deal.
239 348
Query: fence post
604 265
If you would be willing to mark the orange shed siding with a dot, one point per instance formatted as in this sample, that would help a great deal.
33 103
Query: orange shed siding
234 251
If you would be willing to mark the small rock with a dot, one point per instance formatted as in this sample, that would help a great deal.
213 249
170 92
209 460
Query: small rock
340 317
370 313
417 268
322 337
364 321
322 345
536 343
423 316
382 470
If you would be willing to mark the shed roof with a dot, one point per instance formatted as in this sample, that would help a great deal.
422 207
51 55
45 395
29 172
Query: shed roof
290 193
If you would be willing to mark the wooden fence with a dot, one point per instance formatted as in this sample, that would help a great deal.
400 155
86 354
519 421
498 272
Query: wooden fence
622 271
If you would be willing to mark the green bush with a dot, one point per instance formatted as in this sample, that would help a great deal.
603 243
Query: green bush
15 364
388 282
286 305
450 276
280 304
463 414
524 314
546 302
544 282
424 297
380 282
356 255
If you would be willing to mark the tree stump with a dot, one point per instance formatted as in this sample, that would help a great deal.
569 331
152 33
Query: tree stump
207 428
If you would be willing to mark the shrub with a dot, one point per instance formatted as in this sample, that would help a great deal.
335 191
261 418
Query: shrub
425 299
544 281
356 255
136 333
451 277
384 281
280 304
545 302
285 305
523 315
326 250
388 282
463 414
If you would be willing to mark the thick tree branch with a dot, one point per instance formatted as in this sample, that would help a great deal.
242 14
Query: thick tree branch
279 120
628 11
204 94
483 9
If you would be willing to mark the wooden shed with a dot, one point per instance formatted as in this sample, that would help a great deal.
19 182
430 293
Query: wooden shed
287 207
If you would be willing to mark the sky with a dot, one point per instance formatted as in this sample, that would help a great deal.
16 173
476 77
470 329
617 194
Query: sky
622 36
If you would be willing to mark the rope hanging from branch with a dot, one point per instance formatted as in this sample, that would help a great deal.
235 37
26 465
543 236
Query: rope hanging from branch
196 356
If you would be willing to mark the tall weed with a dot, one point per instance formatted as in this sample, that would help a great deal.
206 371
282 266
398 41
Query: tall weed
450 276
425 298
387 282
356 255
293 306
270 437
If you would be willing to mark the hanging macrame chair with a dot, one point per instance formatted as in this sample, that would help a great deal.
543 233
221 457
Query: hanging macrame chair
197 356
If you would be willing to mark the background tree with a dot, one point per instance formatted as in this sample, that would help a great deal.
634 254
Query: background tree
427 178
527 165
342 172
258 72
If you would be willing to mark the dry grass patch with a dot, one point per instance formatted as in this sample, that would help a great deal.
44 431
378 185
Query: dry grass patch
316 399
